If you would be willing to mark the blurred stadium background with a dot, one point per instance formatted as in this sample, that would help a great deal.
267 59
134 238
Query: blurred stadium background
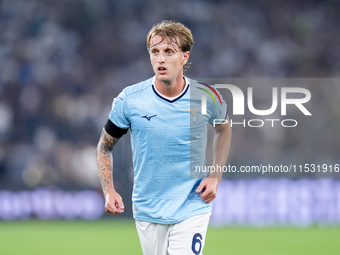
62 63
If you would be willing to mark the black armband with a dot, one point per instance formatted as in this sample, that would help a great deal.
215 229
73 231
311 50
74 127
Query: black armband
113 130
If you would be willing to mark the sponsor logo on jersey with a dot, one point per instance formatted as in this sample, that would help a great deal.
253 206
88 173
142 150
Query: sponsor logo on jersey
148 117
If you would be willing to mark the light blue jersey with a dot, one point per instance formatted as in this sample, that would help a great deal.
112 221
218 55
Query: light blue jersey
168 136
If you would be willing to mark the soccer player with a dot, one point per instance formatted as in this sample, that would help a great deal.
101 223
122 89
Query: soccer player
171 202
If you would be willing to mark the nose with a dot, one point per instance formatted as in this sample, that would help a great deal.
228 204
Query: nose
161 58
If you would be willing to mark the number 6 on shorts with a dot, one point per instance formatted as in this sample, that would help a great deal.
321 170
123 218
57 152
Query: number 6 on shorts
196 244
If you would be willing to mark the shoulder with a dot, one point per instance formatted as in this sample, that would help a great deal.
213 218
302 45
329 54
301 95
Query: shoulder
198 87
137 88
201 85
193 83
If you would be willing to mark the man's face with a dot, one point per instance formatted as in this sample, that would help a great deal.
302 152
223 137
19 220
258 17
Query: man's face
167 59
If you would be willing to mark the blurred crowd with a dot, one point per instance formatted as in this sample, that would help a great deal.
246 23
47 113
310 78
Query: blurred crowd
62 63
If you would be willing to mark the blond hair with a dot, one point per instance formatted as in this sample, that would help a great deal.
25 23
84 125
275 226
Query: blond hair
172 30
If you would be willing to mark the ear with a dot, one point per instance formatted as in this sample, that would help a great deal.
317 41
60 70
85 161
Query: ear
185 57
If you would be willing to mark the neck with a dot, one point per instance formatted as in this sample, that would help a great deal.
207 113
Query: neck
170 89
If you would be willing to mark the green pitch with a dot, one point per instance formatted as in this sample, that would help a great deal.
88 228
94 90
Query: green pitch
120 237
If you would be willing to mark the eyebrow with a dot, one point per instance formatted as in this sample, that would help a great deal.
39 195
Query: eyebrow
166 49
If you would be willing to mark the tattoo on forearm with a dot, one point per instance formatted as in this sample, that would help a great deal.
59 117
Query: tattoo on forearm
104 160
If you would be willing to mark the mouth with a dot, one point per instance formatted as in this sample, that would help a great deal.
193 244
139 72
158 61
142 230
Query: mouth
161 70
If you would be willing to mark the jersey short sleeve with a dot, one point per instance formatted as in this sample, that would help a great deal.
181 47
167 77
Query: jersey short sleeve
119 112
220 111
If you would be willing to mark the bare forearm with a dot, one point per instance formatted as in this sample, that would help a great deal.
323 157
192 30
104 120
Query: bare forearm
104 160
104 165
221 147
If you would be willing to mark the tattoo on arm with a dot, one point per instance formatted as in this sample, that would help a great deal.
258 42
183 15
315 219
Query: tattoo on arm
104 160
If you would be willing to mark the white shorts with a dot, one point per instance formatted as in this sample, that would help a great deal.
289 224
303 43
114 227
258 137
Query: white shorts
184 238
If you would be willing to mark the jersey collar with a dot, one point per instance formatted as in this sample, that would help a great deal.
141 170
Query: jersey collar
171 99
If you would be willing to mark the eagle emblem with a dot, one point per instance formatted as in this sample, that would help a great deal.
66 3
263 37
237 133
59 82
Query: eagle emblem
193 114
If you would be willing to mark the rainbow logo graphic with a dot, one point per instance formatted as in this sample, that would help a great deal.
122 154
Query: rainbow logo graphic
210 94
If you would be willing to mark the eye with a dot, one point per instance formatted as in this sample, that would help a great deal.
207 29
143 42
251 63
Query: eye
154 52
169 52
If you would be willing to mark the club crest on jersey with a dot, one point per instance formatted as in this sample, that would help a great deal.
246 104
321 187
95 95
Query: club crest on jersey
193 114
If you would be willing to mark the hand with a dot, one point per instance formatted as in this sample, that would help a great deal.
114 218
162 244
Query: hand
208 189
114 203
